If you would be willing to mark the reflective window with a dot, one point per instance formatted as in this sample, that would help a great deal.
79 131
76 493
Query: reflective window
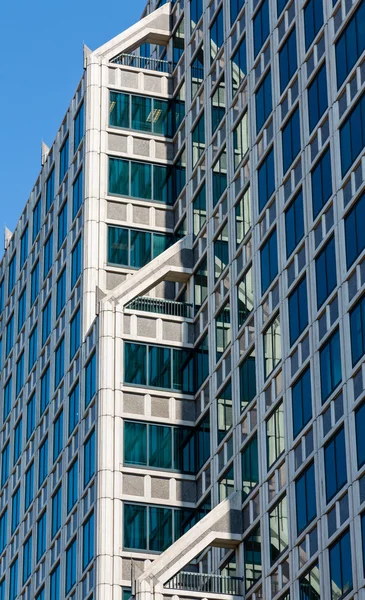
275 435
198 139
243 216
298 311
37 215
272 346
357 325
240 140
239 66
294 223
341 567
291 140
309 585
263 101
223 330
313 20
78 127
236 6
288 59
50 191
41 535
200 209
321 176
247 372
59 363
278 529
56 511
63 160
355 231
301 402
269 261
48 255
60 293
221 252
317 97
43 461
89 458
252 558
88 532
141 113
261 27
224 411
266 179
326 278
76 262
90 379
352 135
139 180
351 44
216 35
23 247
305 493
335 464
218 104
250 467
330 361
72 485
219 177
71 564
135 247
245 297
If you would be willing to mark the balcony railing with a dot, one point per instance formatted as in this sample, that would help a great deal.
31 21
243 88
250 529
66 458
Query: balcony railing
143 62
161 306
206 583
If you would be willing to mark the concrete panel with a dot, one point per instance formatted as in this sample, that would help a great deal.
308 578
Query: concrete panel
172 332
185 491
114 279
129 79
117 143
160 488
146 327
152 83
116 211
133 403
133 485
185 410
160 407
141 147
141 215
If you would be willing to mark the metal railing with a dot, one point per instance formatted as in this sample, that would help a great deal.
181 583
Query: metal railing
207 583
143 62
161 306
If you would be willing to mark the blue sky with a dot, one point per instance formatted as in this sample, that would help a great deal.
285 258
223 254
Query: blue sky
41 63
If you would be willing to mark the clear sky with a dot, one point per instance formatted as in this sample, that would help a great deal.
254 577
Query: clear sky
41 64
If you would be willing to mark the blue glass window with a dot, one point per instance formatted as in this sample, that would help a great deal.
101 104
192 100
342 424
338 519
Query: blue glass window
2 589
263 101
269 261
352 135
72 485
46 321
19 374
50 191
90 380
71 563
33 348
355 231
18 433
58 436
321 176
196 11
55 584
30 416
48 255
89 458
305 492
15 510
41 535
360 438
291 140
22 308
335 464
236 6
135 248
3 531
73 408
298 311
5 463
247 372
9 335
29 486
43 461
330 361
11 274
45 390
357 325
341 567
250 466
301 402
239 66
61 293
56 511
88 541
76 263
13 584
317 97
62 225
23 248
34 283
313 20
64 160
77 194
288 59
351 44
27 558
326 272
75 333
8 397
216 35
261 27
294 223
37 215
78 127
139 180
2 295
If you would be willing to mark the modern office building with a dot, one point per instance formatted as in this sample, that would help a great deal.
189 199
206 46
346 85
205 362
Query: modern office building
182 325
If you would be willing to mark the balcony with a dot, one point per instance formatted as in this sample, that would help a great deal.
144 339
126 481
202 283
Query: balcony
143 62
161 306
206 583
